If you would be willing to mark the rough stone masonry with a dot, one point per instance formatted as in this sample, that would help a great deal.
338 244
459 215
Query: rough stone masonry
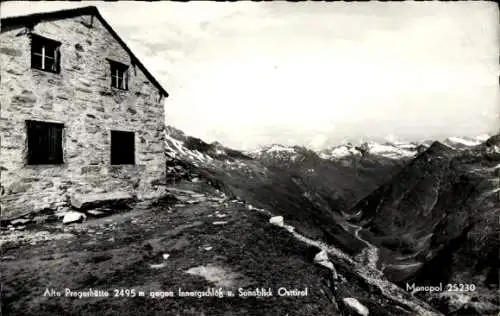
81 98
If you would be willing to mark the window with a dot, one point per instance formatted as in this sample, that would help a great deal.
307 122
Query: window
122 148
44 143
119 75
45 54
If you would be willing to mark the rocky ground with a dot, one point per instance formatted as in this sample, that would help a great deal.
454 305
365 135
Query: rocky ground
198 240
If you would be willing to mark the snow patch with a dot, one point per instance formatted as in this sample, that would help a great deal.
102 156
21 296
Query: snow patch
355 306
221 277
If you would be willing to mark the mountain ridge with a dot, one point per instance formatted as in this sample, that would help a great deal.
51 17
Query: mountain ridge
336 200
441 207
394 149
301 195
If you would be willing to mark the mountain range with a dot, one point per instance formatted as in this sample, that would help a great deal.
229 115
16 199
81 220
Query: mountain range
405 213
389 149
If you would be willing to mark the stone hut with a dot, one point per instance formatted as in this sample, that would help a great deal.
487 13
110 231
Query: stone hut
80 115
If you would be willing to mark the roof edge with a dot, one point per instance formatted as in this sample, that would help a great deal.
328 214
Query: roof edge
35 18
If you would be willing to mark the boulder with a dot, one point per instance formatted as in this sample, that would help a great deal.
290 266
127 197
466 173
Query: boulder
101 200
321 256
193 201
353 307
322 259
157 266
20 221
197 195
219 223
277 220
96 213
72 217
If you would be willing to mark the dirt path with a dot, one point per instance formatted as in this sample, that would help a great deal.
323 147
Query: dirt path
369 255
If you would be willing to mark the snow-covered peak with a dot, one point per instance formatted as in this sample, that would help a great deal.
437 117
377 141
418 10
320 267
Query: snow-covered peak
395 149
392 150
176 149
276 151
340 151
280 148
273 149
181 147
463 142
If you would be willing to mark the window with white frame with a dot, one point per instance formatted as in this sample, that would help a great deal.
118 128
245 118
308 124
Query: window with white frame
119 75
45 54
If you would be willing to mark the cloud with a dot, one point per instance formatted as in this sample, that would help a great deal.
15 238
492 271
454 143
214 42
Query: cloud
313 73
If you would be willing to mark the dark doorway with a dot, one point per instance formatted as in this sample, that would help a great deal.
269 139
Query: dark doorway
122 148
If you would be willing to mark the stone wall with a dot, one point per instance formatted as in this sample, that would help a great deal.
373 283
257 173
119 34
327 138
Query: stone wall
81 98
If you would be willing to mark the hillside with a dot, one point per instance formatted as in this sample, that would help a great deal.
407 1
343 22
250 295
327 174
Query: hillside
292 182
192 241
312 193
432 182
343 179
436 221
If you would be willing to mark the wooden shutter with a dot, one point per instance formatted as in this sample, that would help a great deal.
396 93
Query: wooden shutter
54 145
36 51
35 143
57 60
125 79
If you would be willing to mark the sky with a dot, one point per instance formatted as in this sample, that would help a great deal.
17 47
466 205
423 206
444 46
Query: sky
248 74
